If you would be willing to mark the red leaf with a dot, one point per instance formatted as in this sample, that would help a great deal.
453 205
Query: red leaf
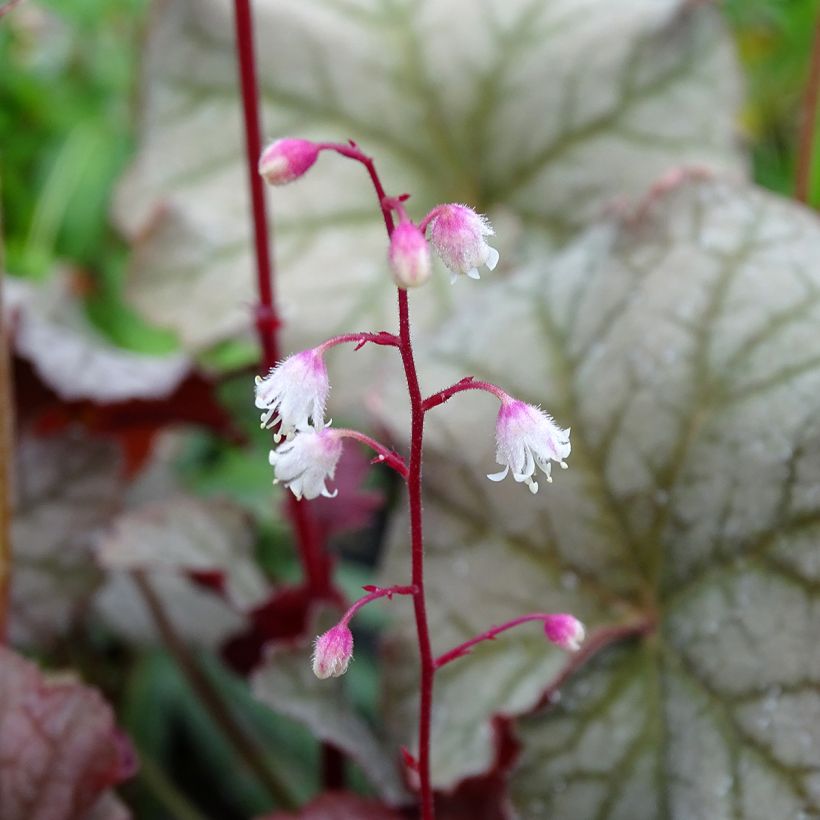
484 797
60 749
339 806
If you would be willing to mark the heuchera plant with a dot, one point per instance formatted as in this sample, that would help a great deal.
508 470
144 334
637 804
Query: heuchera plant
293 397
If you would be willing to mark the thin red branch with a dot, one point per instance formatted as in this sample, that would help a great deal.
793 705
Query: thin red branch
808 124
467 383
385 456
352 151
373 594
488 635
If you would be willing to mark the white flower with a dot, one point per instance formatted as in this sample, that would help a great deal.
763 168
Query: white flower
294 393
457 233
305 462
527 437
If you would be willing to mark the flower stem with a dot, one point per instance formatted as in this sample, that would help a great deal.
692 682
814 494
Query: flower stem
315 563
467 383
417 548
373 594
384 456
464 648
428 669
811 100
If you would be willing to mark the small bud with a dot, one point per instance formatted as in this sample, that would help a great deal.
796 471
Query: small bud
457 233
287 159
565 631
332 652
409 256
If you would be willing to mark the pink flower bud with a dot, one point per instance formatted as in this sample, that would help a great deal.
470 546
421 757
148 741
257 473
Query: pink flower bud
332 652
457 233
565 631
287 159
409 256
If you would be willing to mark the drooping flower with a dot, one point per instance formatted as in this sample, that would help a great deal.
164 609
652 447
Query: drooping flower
332 652
565 631
294 393
526 438
409 256
305 462
457 233
287 159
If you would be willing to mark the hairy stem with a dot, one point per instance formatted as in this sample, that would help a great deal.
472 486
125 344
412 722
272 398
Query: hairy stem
373 594
811 100
413 492
245 745
488 635
417 547
315 563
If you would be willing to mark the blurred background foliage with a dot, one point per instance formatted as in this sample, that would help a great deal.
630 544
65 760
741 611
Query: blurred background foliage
68 88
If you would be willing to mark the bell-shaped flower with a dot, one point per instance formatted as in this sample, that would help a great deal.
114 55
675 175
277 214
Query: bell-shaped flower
457 233
332 652
305 462
409 256
287 159
526 438
294 393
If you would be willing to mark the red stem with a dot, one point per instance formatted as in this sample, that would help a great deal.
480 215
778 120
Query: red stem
417 547
373 594
811 99
467 383
384 456
315 563
464 648
414 497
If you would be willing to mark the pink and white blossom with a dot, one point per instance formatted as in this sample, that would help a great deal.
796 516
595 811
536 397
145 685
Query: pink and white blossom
305 462
294 393
457 233
332 652
285 160
565 631
526 438
409 256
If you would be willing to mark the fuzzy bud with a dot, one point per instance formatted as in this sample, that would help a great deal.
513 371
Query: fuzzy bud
332 652
287 159
409 256
565 631
457 233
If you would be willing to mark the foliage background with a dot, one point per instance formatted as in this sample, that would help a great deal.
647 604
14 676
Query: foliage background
68 108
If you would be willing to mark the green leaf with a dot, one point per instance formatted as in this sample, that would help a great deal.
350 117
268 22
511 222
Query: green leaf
541 110
679 341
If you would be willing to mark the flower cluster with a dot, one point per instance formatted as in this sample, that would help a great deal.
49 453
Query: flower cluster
293 396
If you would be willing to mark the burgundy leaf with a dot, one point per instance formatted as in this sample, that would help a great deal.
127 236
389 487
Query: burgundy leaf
60 749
